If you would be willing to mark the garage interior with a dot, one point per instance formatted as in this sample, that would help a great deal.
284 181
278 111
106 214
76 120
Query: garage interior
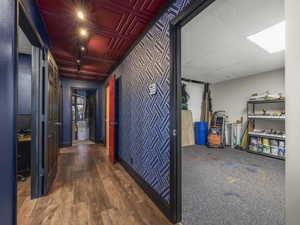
233 114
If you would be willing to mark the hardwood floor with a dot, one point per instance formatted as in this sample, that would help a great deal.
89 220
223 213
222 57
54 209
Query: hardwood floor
24 192
89 190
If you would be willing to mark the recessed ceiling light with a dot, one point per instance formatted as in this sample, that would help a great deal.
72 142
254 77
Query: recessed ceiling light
83 32
271 39
82 48
80 15
78 61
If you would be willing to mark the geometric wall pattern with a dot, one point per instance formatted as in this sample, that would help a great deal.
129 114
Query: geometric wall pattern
145 119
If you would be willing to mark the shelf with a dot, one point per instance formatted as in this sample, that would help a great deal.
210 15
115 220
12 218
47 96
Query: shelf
267 117
266 154
266 101
271 136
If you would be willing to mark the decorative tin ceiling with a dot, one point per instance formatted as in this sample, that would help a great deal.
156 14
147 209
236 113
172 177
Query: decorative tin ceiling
112 27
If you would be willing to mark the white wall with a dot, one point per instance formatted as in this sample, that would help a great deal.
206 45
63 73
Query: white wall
232 95
292 81
194 103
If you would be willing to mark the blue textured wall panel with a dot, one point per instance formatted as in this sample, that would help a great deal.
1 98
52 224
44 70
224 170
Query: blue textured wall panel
67 85
24 84
8 80
145 119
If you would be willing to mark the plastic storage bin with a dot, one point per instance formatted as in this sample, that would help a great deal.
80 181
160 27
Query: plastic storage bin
201 132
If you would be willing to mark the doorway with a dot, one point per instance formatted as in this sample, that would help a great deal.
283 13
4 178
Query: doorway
23 120
112 117
37 118
240 110
29 161
84 110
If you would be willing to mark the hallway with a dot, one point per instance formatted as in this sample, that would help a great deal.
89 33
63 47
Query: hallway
89 190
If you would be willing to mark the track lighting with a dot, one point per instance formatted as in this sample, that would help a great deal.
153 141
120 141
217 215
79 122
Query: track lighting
83 32
80 15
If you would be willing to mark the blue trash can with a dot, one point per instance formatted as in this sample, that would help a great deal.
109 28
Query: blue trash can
201 132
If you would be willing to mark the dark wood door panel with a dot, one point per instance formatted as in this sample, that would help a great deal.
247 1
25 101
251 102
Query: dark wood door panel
112 119
53 121
92 115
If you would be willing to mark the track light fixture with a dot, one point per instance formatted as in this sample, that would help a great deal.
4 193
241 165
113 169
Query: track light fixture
83 32
80 15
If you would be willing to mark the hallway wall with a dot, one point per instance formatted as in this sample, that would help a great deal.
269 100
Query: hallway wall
67 124
24 84
145 119
8 71
8 84
292 80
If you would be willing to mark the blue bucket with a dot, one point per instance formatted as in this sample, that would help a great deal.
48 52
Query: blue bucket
201 132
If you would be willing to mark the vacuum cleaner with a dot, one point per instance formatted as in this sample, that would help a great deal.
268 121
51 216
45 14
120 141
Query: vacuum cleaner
216 133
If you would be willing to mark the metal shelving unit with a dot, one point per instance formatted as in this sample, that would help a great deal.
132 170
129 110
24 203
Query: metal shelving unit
266 101
264 135
268 155
254 117
266 117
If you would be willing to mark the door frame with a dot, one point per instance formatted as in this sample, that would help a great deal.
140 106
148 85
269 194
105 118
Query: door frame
71 112
111 84
118 88
175 105
107 92
39 101
106 115
61 114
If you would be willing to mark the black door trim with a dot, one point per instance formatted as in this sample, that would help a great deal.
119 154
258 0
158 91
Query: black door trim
175 106
118 111
38 143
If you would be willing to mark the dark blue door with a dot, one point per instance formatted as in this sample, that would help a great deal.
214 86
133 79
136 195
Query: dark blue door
117 117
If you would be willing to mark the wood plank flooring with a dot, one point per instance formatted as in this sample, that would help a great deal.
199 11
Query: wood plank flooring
89 190
23 192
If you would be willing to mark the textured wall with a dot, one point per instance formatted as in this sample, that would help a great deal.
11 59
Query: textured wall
292 81
24 84
145 119
67 123
195 92
7 112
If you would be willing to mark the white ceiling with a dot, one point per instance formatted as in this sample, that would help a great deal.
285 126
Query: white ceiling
215 47
23 43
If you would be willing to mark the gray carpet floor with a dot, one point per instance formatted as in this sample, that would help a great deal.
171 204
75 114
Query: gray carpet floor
231 187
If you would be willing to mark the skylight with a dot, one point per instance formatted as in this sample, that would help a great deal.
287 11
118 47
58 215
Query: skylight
271 39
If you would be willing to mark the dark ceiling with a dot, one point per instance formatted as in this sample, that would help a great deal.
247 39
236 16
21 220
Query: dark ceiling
112 25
